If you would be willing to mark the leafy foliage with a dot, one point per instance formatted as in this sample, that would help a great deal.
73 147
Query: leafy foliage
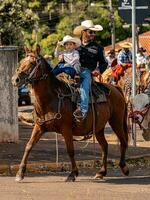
24 22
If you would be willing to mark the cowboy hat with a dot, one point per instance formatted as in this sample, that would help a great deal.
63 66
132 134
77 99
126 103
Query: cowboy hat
87 24
68 38
126 45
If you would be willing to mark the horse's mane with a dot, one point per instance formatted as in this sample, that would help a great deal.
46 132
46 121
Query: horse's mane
58 83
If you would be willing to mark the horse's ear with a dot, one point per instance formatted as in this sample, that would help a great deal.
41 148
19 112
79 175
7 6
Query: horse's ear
36 49
27 50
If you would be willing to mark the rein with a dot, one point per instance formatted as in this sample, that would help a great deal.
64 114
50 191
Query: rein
32 77
58 115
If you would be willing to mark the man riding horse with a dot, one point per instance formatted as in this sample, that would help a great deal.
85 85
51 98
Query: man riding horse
92 60
124 61
54 113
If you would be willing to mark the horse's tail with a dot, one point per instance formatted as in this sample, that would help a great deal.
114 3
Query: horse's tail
125 124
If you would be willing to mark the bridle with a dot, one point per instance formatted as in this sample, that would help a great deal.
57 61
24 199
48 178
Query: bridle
142 113
31 77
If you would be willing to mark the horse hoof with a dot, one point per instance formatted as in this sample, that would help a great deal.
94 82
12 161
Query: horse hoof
18 178
98 176
70 179
125 170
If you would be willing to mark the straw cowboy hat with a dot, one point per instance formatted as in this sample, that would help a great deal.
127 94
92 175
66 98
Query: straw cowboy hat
126 45
68 38
87 24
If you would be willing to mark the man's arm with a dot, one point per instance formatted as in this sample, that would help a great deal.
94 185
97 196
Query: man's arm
119 59
102 61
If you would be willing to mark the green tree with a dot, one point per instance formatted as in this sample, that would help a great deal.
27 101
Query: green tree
15 16
29 21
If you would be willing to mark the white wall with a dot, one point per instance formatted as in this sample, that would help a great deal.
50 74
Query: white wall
8 95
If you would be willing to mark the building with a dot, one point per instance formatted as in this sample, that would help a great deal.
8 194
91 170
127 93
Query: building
144 41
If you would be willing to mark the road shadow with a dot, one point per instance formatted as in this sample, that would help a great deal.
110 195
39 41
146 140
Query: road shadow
45 149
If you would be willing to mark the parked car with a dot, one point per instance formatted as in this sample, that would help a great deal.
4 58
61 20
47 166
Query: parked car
24 97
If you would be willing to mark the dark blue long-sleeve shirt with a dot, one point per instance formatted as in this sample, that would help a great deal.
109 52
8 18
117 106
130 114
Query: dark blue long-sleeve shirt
92 56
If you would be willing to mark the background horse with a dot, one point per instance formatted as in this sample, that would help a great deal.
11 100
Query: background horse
141 113
54 110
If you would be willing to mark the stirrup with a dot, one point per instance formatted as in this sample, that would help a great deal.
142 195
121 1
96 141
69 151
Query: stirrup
79 117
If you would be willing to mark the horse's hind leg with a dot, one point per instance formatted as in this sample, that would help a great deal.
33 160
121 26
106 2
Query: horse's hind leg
122 136
104 147
35 136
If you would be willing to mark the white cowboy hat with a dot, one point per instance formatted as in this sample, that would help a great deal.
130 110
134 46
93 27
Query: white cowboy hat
126 45
87 24
68 38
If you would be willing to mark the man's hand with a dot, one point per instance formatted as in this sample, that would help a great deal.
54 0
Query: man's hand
96 73
97 76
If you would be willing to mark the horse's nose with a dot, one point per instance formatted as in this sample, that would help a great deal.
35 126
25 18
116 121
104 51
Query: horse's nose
135 118
15 80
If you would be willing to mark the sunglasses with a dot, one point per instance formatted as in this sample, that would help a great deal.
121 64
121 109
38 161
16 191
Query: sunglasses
91 32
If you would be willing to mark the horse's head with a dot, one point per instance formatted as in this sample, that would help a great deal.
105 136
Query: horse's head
31 68
141 108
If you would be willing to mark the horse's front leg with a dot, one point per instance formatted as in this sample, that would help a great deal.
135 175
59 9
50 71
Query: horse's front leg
70 150
35 136
104 147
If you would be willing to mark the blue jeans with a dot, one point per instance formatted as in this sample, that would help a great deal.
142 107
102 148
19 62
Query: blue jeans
85 84
61 67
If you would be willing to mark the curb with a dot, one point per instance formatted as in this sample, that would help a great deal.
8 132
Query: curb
40 167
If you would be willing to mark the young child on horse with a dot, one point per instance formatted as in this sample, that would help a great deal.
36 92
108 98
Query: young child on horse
69 58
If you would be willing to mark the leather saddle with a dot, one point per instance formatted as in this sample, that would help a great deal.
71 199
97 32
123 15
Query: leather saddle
99 91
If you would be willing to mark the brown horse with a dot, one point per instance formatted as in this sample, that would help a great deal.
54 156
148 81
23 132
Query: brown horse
54 110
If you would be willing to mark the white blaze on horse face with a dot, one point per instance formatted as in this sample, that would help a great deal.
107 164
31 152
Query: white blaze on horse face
139 102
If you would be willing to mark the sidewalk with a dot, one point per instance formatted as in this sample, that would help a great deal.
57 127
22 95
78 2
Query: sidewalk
43 155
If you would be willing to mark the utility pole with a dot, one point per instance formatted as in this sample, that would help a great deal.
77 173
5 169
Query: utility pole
71 7
134 61
0 34
112 22
0 39
62 7
134 47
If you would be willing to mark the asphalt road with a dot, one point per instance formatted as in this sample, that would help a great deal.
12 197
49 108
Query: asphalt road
54 187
